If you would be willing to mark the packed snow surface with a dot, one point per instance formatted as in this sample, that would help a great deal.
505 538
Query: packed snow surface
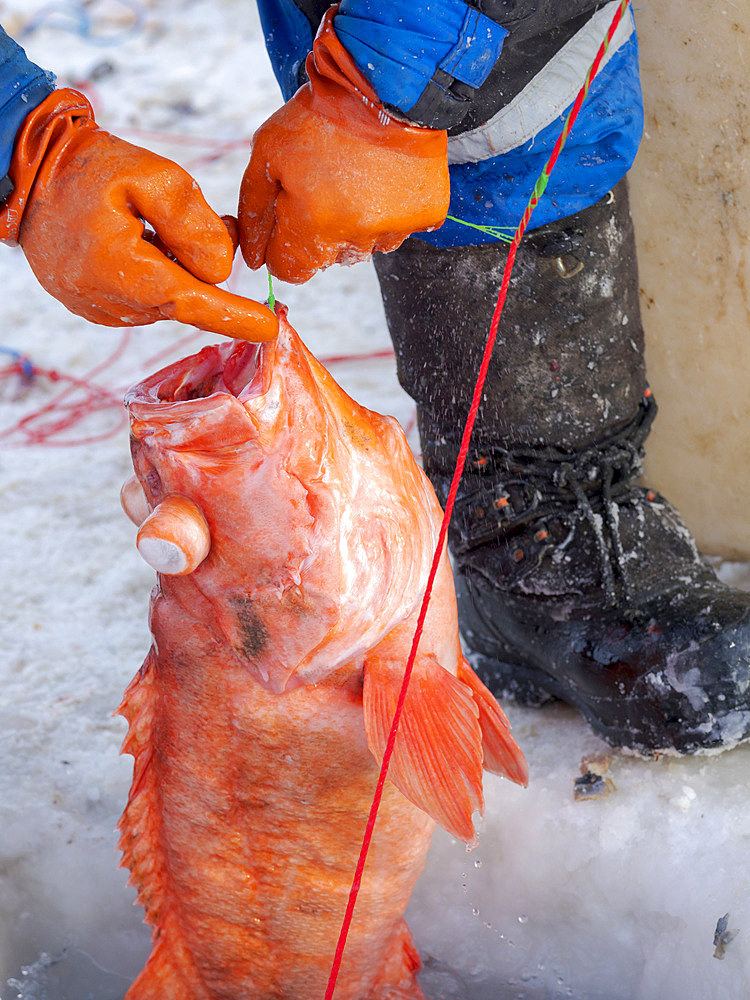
622 895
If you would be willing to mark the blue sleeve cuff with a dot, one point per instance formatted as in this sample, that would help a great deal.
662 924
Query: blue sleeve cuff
23 86
401 48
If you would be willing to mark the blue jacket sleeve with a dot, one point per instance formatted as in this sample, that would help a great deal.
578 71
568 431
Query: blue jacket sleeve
23 86
425 58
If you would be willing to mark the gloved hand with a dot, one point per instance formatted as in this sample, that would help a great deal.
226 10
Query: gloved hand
77 209
333 177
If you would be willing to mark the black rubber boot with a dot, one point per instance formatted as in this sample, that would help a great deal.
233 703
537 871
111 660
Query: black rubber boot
573 581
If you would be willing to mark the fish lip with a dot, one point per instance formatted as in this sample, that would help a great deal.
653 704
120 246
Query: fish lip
218 399
188 406
238 368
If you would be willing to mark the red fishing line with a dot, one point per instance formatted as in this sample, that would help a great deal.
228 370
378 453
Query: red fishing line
333 359
463 451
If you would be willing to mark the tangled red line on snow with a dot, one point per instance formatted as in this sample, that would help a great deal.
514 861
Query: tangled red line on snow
62 411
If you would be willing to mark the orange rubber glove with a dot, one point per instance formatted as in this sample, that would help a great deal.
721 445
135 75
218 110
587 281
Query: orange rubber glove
79 198
333 176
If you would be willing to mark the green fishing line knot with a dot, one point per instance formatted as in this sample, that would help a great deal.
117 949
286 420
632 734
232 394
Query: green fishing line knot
271 296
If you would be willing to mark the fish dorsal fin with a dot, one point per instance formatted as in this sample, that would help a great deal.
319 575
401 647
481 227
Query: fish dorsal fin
502 755
437 757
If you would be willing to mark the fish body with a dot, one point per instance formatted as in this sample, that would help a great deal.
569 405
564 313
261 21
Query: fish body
294 533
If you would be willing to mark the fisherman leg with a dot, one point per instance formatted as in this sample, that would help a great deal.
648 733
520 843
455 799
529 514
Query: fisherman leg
573 581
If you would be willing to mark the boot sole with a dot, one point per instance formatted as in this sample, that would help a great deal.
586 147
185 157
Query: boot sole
532 688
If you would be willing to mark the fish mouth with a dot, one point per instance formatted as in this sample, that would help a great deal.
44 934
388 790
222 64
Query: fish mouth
238 368
234 368
204 401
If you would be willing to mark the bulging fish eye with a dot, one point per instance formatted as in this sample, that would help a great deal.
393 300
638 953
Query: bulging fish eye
134 501
174 539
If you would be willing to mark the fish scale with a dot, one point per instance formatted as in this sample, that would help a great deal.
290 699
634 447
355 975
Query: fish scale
247 897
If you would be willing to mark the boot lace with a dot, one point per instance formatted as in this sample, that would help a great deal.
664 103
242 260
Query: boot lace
504 489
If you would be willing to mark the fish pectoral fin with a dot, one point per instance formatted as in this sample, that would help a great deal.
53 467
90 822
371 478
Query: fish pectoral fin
502 755
437 756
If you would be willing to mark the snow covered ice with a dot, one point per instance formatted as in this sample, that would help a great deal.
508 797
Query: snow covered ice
606 898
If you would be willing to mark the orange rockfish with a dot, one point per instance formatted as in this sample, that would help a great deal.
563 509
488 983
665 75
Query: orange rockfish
293 534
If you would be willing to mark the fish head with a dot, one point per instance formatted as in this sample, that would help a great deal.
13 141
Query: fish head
315 526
